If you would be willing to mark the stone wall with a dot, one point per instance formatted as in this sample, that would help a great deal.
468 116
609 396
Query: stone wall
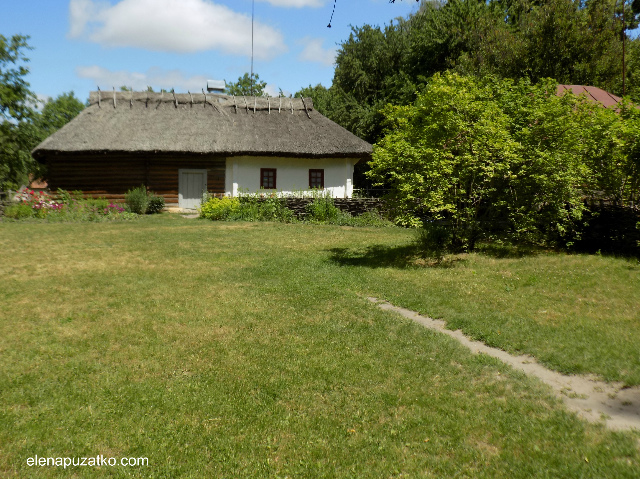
354 206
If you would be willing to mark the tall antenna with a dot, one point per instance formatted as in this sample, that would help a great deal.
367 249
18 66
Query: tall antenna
253 4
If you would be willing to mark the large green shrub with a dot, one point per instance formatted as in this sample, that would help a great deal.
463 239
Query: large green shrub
490 158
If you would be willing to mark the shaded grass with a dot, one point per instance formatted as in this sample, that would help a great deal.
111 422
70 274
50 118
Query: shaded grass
244 350
575 313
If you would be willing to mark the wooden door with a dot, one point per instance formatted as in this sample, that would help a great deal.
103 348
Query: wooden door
191 185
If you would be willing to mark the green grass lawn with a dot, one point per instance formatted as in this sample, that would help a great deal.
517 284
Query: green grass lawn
250 350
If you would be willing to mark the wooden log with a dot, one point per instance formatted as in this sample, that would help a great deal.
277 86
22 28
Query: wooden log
305 107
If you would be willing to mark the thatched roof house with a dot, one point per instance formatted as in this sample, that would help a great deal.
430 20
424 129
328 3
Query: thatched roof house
179 144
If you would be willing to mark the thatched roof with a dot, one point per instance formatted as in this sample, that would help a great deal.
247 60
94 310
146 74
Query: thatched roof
127 122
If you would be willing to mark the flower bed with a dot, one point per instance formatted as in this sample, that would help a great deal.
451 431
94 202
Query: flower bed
64 207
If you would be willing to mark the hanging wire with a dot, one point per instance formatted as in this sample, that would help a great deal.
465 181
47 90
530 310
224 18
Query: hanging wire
332 12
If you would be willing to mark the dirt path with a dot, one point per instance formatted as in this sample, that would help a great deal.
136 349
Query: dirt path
593 400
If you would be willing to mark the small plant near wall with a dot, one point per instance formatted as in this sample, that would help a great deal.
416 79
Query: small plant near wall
141 201
322 210
219 208
156 204
268 207
137 200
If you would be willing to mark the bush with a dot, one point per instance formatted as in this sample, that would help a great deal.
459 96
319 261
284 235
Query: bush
247 208
491 157
137 200
65 206
220 208
96 204
156 204
322 210
19 211
273 208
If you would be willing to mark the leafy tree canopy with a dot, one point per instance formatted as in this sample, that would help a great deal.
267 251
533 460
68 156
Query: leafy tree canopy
15 95
22 126
16 101
492 157
247 86
55 113
572 41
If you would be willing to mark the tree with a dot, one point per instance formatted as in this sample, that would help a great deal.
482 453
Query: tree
29 133
58 112
247 86
22 126
371 72
322 98
487 157
16 100
334 10
574 42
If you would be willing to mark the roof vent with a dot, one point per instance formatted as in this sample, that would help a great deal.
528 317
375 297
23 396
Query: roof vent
216 86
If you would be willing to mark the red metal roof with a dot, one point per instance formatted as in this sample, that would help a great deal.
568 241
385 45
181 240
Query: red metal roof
594 94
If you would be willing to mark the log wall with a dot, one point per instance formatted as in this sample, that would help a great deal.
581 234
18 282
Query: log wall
111 176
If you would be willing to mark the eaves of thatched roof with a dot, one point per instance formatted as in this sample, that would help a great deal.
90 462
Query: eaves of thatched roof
126 122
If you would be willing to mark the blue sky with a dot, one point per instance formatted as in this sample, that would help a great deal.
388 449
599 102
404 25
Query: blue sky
81 44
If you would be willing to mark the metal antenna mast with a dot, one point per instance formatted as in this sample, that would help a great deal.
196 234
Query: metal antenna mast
253 4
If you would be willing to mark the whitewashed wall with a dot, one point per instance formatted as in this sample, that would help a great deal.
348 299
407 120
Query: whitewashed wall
292 176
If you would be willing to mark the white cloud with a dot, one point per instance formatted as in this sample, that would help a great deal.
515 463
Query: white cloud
155 77
274 90
181 26
313 51
295 3
271 89
80 12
